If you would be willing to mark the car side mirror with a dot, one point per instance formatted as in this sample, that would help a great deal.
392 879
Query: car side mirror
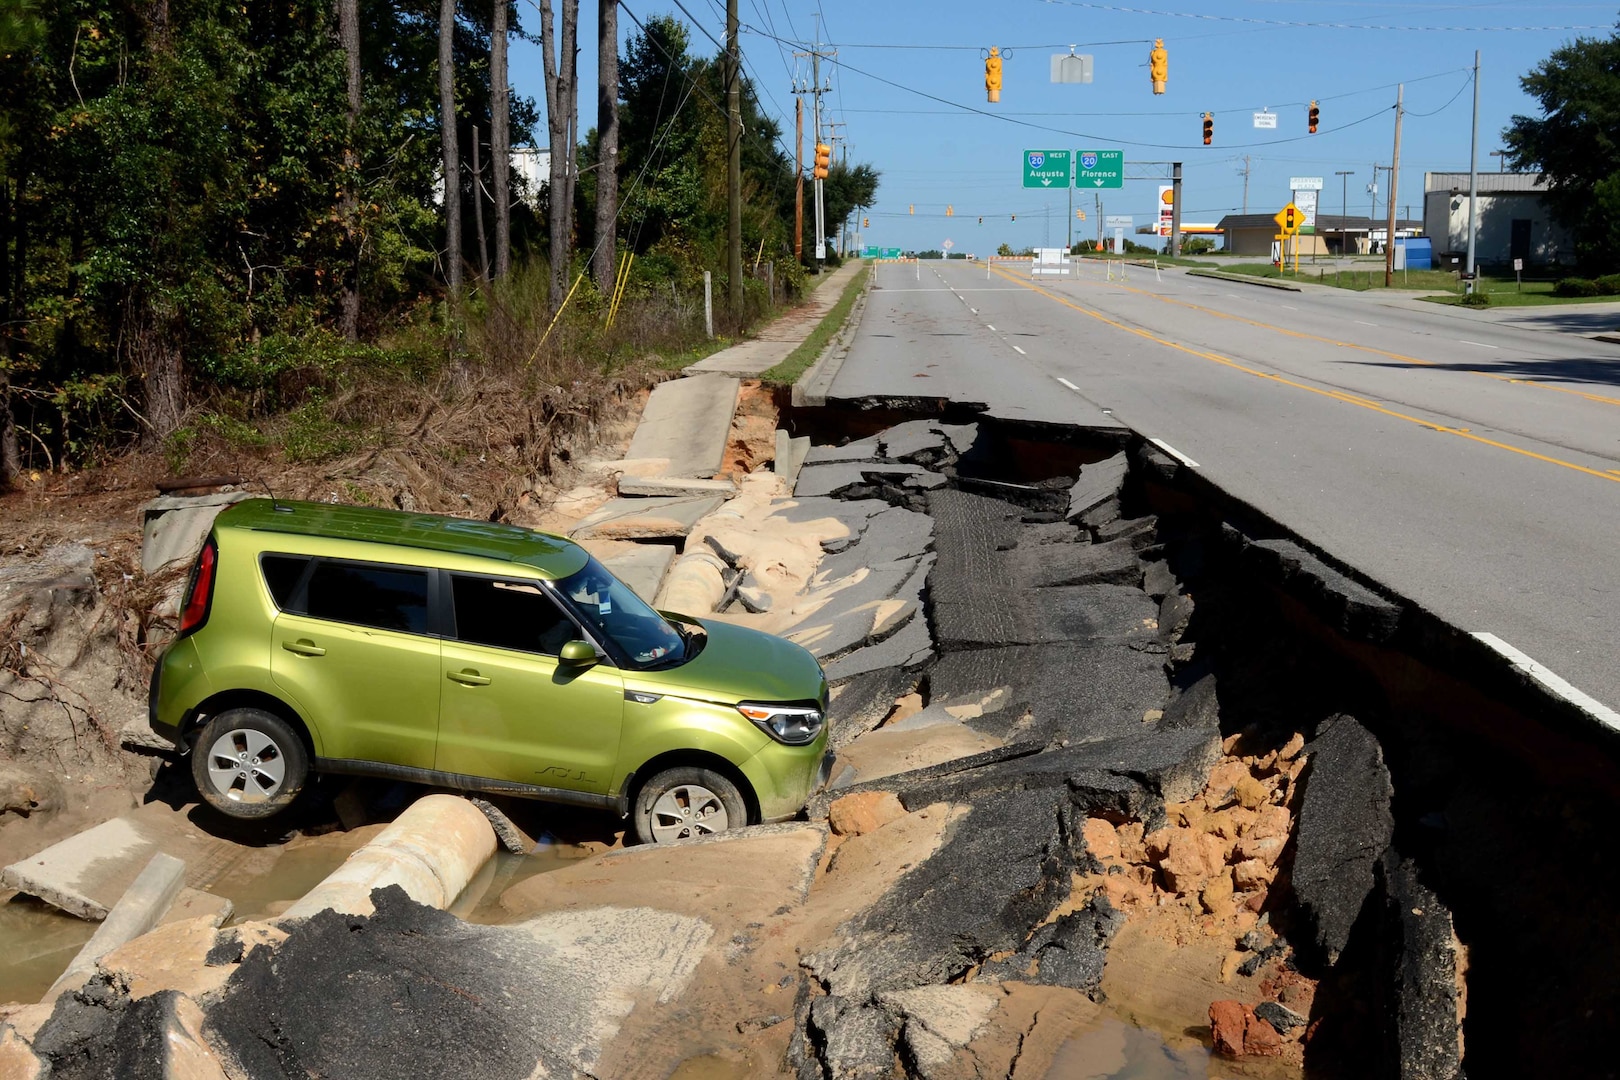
578 653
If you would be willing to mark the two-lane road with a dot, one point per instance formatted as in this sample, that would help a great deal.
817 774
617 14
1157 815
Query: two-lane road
1470 465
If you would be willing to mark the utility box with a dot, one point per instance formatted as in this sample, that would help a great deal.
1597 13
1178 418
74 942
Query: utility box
1418 252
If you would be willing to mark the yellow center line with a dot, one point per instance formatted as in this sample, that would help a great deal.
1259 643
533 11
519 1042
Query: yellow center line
1403 358
1336 395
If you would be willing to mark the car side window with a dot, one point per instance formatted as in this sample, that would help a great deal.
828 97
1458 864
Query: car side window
385 597
282 573
509 615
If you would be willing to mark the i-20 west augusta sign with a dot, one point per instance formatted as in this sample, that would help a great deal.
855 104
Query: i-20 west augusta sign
1046 168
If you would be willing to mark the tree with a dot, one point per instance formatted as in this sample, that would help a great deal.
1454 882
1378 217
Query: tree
607 150
447 136
348 35
1575 143
846 187
500 110
561 66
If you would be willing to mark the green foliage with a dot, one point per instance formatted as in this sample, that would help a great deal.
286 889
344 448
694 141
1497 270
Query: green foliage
1608 285
1576 286
1575 143
1197 245
1477 298
1004 250
796 363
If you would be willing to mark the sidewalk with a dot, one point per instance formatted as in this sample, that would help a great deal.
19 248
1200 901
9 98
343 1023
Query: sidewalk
759 354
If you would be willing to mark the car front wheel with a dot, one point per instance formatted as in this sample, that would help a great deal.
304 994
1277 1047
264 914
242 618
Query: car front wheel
682 803
249 763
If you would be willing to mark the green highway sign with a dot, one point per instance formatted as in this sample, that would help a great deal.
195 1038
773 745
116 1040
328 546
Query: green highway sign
1046 168
1099 169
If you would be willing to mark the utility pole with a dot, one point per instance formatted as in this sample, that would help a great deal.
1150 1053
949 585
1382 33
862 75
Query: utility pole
1344 209
1248 167
816 88
1394 180
1175 209
1473 184
734 264
798 176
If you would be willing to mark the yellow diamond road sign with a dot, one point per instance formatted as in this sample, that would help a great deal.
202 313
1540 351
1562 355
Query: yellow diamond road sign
1289 219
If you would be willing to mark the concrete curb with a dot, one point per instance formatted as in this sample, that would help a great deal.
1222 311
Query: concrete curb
811 388
1243 279
137 911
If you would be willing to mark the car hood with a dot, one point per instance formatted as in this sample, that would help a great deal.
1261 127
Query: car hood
738 664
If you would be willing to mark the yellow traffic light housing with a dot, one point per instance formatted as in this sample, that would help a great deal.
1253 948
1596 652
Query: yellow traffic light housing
866 223
823 160
911 208
950 211
1158 65
992 75
1209 128
1315 114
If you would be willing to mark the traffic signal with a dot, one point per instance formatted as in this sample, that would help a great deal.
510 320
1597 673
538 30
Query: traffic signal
1015 217
1158 65
1081 214
823 160
992 75
981 220
911 208
1209 128
866 223
1289 223
950 211
1315 114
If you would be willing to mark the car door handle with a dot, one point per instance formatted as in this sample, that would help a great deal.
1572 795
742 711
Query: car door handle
468 678
303 647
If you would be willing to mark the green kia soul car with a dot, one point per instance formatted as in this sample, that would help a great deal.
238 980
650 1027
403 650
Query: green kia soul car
478 657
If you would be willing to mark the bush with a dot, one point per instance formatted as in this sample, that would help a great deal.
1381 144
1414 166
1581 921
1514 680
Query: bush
1608 285
1476 298
1197 245
1575 286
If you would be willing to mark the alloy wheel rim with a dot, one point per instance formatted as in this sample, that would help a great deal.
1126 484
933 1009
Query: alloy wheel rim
685 811
246 765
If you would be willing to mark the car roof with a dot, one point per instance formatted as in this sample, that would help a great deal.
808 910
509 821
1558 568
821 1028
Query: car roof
552 555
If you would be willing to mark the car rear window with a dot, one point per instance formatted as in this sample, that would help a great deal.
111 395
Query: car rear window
509 615
282 574
386 597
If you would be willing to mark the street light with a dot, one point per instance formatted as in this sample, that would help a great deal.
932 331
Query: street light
1501 159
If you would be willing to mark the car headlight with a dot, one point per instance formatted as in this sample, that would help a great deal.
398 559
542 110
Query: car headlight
795 725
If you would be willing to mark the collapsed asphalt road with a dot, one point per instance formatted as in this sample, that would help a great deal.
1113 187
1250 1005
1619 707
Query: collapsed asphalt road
1194 746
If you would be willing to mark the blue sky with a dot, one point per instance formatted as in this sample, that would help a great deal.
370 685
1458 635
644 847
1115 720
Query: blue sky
1229 57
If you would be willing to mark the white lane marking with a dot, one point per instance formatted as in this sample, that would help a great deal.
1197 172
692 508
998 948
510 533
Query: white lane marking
1363 322
1481 344
1285 307
1558 686
972 309
991 327
1173 452
1234 296
1067 383
1019 351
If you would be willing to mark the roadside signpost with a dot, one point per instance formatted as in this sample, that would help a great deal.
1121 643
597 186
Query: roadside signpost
1047 168
1100 169
1289 220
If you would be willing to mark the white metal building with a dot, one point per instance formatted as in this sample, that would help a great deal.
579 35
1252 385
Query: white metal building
1513 220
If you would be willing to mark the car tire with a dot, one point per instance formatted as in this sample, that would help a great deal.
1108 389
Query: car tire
249 764
687 802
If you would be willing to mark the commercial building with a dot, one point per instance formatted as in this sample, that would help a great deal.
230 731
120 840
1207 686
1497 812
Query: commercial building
1513 220
1252 234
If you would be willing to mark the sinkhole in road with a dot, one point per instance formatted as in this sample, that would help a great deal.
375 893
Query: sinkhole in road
1447 883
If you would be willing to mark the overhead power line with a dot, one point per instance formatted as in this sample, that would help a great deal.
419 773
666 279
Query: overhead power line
1310 24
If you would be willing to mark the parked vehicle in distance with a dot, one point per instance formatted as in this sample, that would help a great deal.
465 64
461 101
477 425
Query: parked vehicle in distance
477 657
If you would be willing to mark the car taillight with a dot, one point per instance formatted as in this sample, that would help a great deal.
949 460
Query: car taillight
200 589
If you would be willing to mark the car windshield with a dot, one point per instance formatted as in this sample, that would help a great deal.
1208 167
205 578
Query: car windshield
609 606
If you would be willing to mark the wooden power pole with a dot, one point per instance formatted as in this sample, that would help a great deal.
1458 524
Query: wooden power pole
734 264
1394 180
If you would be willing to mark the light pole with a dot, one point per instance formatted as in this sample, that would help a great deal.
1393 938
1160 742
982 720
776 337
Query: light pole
1344 209
1501 158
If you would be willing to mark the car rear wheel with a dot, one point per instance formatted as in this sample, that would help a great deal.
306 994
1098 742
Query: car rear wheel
679 804
249 763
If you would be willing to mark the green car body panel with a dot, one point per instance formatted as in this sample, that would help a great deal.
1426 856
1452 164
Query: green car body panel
424 702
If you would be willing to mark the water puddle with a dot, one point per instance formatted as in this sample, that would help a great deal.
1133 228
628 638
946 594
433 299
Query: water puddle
1114 1049
37 941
